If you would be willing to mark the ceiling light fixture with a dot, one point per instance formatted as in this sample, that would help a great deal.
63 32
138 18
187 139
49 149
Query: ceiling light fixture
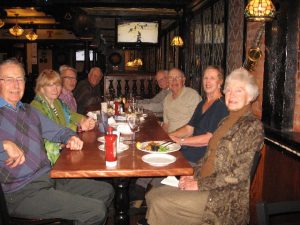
1 23
177 40
31 35
260 10
16 30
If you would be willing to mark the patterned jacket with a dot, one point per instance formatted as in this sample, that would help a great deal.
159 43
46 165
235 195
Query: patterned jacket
228 186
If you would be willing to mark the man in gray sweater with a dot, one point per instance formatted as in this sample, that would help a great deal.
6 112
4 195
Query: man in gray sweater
155 104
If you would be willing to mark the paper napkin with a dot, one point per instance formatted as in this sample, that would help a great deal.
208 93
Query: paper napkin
171 181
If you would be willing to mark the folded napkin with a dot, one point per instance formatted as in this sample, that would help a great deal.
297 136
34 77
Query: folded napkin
124 129
111 121
93 114
171 181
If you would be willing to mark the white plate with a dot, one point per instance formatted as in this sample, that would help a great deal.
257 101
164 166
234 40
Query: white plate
122 147
115 125
171 148
159 159
102 139
120 118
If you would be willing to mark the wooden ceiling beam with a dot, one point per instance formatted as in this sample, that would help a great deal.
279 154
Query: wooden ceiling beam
94 3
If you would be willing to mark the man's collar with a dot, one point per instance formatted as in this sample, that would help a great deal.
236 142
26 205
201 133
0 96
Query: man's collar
5 103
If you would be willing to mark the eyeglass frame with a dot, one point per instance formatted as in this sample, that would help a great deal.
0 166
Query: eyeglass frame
175 78
12 80
69 78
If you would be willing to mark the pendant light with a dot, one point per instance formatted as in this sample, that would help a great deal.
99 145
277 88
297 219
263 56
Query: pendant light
16 30
1 23
177 40
260 10
31 35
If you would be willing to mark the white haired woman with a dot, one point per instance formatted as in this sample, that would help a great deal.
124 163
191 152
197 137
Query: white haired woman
48 88
218 192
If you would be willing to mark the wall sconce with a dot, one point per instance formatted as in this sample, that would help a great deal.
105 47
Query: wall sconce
16 30
137 62
260 10
177 40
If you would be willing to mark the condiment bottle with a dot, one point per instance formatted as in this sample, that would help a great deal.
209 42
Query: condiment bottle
117 107
110 148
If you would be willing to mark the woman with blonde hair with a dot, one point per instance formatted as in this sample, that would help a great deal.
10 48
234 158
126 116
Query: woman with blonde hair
48 88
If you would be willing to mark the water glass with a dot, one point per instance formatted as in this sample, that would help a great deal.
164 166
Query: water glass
102 120
134 123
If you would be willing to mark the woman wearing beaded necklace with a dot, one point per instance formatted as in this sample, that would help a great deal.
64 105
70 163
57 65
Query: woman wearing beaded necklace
48 88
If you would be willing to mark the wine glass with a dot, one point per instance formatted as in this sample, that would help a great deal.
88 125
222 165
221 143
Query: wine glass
134 123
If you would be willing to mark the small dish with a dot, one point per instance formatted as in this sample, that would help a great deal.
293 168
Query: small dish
159 159
102 139
171 147
122 147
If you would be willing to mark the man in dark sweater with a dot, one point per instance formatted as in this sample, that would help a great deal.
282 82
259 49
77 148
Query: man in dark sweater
88 91
24 166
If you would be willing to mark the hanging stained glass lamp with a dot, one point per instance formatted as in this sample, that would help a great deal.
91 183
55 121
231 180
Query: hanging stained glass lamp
260 10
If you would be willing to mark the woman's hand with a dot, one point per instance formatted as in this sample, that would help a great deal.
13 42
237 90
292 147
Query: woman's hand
74 143
87 124
188 183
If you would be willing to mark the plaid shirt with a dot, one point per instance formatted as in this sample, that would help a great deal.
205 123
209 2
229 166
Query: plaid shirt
68 98
26 127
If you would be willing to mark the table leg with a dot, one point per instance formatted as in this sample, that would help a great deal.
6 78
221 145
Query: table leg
122 201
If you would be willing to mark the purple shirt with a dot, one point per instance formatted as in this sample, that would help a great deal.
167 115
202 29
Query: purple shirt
26 127
68 98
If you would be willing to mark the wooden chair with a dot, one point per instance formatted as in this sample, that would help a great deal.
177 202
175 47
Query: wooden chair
5 219
266 210
255 163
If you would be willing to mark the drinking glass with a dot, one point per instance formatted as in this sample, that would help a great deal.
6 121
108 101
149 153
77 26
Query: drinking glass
134 123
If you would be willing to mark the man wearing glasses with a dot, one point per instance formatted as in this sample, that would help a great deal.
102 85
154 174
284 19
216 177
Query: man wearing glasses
25 168
180 103
155 104
69 81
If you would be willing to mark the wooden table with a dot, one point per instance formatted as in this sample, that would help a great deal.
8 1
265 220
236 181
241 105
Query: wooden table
90 163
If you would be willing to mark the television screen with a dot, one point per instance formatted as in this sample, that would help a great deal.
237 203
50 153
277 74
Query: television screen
80 55
135 32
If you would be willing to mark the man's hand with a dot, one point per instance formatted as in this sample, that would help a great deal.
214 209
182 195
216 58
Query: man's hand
15 154
175 139
74 143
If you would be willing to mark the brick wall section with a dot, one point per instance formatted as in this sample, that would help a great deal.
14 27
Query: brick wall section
252 28
297 97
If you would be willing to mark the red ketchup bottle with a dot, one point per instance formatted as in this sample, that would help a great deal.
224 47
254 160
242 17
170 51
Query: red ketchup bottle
110 148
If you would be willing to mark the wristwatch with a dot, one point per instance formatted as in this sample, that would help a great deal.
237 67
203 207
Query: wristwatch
181 141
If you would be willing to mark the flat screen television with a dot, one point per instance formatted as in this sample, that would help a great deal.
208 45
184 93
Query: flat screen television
137 33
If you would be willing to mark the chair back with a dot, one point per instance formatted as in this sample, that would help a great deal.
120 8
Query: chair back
255 163
4 216
266 210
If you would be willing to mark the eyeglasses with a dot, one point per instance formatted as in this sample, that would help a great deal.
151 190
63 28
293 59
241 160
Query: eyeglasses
174 78
70 78
12 80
